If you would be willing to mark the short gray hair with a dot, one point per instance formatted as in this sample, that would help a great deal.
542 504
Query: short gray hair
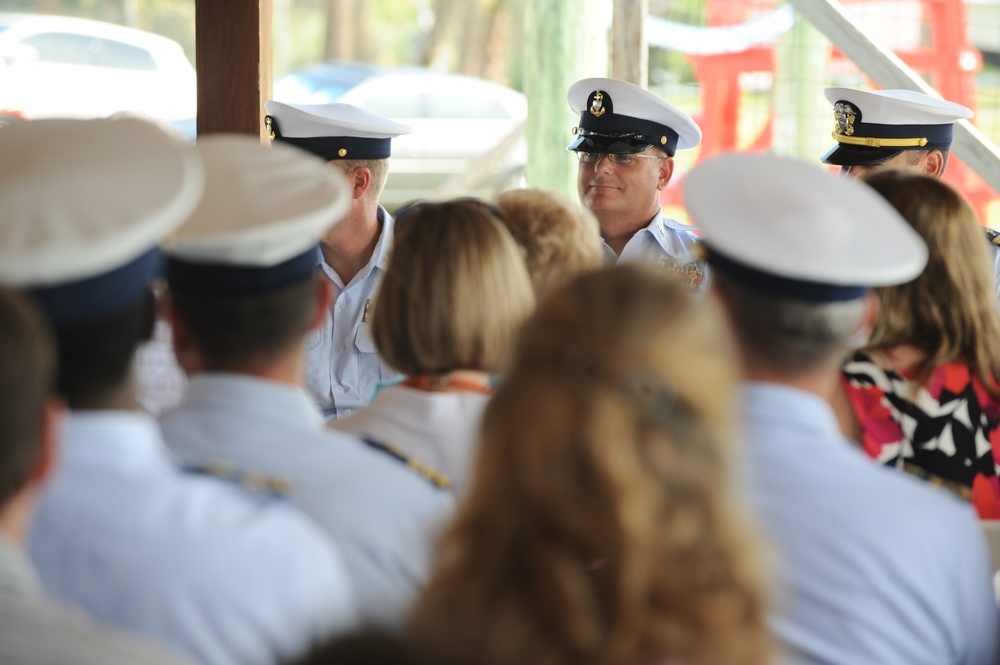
789 335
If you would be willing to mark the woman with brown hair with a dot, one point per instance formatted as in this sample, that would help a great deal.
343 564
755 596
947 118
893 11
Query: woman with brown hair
923 394
600 527
454 292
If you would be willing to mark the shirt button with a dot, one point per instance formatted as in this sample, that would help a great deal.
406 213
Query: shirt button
341 349
343 305
348 412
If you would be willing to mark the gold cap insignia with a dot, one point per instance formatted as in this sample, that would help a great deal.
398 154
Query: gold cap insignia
844 115
597 104
269 126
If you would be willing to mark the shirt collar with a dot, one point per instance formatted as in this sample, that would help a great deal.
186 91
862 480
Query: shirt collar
777 405
16 572
380 257
253 398
125 440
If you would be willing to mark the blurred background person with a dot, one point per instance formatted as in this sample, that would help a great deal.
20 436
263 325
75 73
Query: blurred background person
33 630
454 293
923 394
601 526
872 566
342 366
243 295
559 238
226 576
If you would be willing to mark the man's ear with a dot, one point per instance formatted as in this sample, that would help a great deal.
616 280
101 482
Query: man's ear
666 171
360 180
934 164
51 439
324 296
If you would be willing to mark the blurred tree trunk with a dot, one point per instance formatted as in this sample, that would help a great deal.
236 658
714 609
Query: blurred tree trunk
449 18
49 6
564 42
629 52
348 31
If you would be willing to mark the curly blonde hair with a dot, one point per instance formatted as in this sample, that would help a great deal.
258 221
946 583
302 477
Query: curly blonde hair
600 528
559 238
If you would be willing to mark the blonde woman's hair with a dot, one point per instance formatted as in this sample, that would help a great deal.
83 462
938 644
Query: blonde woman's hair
559 238
454 292
950 310
601 527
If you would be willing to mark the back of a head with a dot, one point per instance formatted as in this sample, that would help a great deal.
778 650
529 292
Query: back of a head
27 380
374 648
88 255
559 238
454 292
950 310
795 252
599 527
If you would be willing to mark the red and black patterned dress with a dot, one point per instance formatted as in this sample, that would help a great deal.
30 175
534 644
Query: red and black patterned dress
947 431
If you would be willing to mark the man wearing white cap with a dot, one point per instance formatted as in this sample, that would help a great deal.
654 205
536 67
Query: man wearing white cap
199 564
34 630
243 294
625 141
872 566
896 129
343 368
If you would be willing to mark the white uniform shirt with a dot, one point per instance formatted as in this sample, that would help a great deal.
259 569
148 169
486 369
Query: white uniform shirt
665 243
224 576
383 516
342 365
872 565
439 429
35 631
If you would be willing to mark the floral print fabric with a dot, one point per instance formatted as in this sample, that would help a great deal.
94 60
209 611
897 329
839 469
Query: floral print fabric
947 431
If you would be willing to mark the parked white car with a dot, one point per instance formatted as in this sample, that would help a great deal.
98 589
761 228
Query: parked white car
70 67
467 132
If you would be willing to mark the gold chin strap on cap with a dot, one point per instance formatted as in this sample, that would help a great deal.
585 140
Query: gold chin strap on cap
872 142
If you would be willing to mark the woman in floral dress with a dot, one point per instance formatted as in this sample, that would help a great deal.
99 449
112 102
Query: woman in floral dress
923 394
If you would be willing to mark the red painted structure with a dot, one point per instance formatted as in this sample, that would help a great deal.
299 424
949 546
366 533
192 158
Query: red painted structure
948 62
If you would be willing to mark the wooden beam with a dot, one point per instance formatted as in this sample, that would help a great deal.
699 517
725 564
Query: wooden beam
888 71
233 58
629 51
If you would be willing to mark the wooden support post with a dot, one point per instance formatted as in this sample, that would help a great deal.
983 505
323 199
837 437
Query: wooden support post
564 42
629 51
233 58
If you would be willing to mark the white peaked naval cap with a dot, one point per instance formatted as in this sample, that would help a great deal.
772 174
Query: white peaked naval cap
259 223
332 131
873 126
83 206
788 227
620 117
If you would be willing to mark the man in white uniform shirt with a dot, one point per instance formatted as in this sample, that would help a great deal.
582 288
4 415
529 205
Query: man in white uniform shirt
870 565
626 140
243 295
343 368
34 630
223 575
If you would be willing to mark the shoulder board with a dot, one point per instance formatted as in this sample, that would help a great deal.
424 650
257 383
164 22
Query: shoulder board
252 481
435 477
991 235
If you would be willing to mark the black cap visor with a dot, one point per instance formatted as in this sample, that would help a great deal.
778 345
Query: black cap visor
859 155
614 145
